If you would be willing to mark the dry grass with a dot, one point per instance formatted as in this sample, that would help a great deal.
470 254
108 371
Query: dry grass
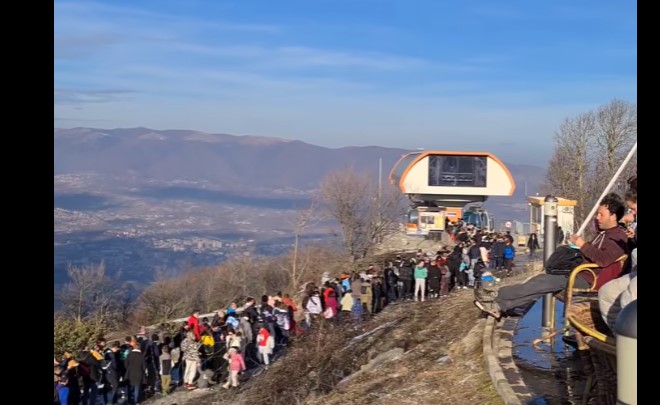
426 332
429 332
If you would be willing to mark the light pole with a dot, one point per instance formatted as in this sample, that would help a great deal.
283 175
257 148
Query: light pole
531 218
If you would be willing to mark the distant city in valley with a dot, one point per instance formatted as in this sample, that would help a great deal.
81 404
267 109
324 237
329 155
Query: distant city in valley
146 202
137 236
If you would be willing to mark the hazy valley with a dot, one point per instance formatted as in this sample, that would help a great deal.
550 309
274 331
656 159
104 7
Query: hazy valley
145 201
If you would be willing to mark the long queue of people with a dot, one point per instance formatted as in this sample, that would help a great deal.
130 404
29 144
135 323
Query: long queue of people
220 347
200 353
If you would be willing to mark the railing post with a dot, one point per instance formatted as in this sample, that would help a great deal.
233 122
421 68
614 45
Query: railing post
549 244
626 355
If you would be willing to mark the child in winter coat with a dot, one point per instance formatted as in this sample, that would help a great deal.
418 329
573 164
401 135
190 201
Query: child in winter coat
165 369
509 255
265 344
236 365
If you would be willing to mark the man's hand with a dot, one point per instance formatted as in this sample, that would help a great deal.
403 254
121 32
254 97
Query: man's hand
577 240
629 218
630 232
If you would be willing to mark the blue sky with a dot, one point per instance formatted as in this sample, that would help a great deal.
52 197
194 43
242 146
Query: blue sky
497 76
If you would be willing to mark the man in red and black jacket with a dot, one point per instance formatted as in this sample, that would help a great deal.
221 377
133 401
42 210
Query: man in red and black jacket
610 243
604 250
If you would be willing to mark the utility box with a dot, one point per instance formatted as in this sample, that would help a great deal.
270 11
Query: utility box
565 215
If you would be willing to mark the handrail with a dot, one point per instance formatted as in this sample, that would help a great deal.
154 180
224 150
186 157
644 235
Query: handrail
570 290
607 189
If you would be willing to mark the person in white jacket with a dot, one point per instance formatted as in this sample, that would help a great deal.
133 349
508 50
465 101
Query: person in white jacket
313 308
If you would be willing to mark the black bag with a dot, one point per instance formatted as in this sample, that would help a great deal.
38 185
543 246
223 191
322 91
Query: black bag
563 260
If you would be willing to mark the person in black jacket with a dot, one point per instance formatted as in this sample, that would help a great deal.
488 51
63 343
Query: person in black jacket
532 245
433 279
72 373
454 263
391 281
378 294
560 236
406 276
114 368
250 312
497 254
92 373
135 375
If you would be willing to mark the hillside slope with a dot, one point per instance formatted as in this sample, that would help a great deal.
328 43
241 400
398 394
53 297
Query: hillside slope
411 353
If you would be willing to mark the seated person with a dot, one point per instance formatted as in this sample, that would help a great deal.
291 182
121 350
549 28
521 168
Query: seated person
616 294
609 244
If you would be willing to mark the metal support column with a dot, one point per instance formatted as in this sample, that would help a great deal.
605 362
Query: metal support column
549 245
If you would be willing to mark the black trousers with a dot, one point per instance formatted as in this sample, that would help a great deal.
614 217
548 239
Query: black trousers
520 295
407 289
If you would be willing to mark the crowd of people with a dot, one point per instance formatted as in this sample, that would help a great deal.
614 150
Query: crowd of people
246 336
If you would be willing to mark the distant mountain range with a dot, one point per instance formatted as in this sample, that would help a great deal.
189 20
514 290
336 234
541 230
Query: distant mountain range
240 164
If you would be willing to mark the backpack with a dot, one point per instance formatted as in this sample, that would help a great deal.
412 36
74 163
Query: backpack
363 289
563 260
123 355
282 320
83 369
233 322
346 284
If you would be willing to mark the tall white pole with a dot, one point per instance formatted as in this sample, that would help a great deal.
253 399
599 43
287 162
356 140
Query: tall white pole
380 177
607 189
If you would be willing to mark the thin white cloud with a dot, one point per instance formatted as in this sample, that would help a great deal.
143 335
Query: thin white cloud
80 96
80 14
303 57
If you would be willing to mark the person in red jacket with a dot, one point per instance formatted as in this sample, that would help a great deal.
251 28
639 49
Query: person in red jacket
292 316
193 324
610 243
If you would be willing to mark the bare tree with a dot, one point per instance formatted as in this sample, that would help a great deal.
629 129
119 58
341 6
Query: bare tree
385 211
209 288
242 277
559 180
363 213
570 170
346 197
617 132
165 299
88 291
588 150
126 305
304 218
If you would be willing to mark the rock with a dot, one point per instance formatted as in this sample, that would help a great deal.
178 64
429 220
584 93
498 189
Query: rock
382 358
443 360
